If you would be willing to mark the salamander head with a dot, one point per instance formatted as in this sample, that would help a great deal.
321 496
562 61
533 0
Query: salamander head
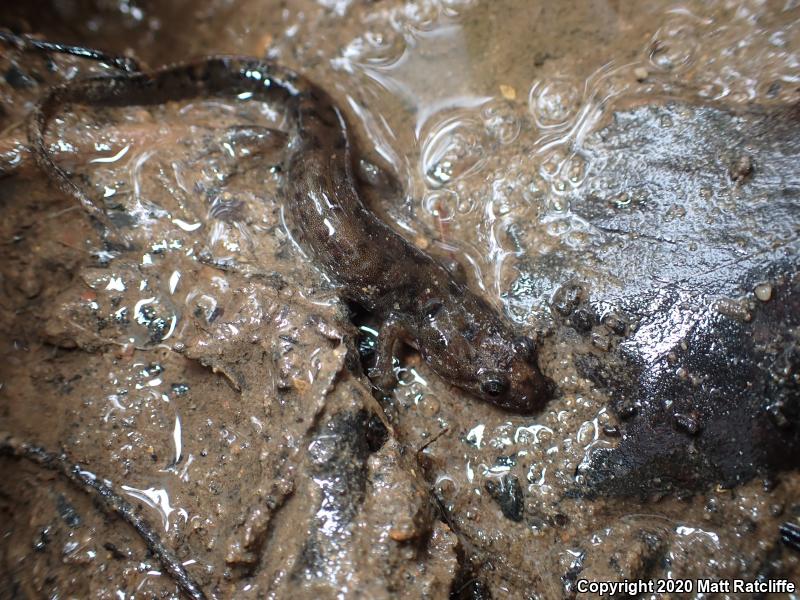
511 380
468 344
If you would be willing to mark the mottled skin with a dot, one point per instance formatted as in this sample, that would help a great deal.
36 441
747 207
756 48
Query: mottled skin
462 338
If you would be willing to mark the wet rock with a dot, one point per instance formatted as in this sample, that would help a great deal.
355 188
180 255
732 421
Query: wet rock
371 516
567 298
114 552
583 319
507 492
571 303
376 433
338 467
706 383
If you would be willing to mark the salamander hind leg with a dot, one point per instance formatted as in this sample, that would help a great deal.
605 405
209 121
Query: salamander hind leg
382 373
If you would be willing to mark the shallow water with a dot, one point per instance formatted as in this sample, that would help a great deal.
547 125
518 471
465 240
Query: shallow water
205 374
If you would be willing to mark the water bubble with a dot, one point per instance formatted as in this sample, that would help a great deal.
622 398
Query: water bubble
559 227
429 405
337 6
536 476
474 436
500 120
673 47
622 200
373 48
551 164
446 486
409 377
454 8
552 103
533 434
466 203
156 319
675 211
226 207
415 16
587 433
575 170
441 204
453 149
713 90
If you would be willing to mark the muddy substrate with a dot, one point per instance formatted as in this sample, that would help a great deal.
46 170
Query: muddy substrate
639 223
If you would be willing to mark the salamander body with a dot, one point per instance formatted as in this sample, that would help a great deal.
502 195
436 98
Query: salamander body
462 338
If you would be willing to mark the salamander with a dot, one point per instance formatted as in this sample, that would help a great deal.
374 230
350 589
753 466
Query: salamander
458 333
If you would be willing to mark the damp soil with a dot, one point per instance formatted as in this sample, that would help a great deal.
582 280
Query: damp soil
622 180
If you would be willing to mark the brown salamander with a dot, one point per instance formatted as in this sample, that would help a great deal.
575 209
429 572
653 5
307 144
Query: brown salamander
462 338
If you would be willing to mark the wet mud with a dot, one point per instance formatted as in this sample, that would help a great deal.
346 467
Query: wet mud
619 180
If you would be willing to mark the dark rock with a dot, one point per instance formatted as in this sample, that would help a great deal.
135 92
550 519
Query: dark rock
507 492
707 377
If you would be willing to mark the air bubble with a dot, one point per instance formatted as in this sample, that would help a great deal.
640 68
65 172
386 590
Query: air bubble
553 103
374 48
576 170
673 47
442 204
454 8
501 122
453 149
551 165
415 16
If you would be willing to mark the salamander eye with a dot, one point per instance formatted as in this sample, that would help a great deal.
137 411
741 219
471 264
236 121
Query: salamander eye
494 385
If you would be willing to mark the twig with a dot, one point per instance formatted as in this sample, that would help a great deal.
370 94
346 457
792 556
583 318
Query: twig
110 500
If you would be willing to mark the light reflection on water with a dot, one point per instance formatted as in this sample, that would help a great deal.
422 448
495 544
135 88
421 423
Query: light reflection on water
158 500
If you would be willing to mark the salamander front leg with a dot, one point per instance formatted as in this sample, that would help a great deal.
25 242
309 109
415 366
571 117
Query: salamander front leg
382 374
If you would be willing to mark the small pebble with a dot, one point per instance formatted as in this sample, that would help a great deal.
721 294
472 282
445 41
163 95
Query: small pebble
614 323
30 285
403 533
601 342
687 423
509 93
640 73
742 169
626 409
763 292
